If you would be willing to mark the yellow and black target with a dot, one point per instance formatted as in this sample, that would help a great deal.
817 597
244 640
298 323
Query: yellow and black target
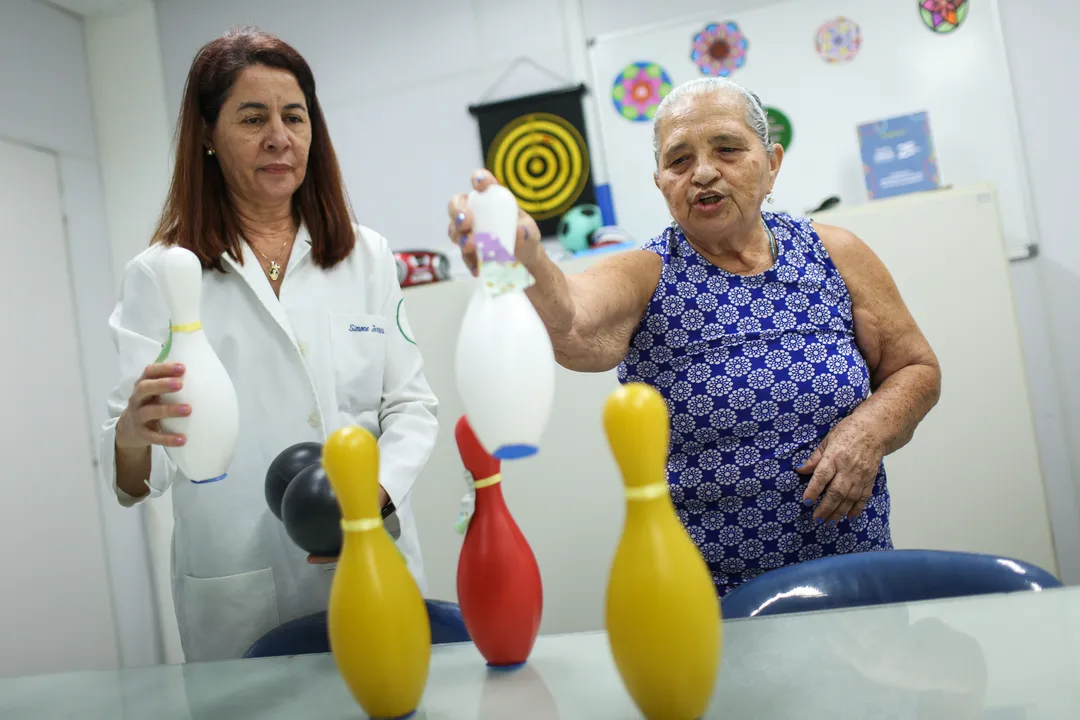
543 160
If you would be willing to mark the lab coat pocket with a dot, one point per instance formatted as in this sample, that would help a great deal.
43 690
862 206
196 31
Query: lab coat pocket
358 343
224 616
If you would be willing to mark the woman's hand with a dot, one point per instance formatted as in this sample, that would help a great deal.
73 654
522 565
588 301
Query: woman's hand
844 468
138 427
527 248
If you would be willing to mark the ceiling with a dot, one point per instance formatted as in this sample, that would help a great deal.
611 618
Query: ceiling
87 8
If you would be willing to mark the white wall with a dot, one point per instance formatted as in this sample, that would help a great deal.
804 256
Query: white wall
134 129
42 75
1040 39
123 61
609 16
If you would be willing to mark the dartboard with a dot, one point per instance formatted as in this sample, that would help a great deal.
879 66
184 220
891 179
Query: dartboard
543 160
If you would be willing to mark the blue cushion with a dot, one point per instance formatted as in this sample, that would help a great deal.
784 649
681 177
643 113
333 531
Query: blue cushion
874 578
308 635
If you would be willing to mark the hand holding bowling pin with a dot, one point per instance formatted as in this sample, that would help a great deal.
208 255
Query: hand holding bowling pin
527 248
138 427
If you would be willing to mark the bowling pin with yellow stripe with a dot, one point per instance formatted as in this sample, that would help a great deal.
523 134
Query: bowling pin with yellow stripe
214 423
380 634
663 615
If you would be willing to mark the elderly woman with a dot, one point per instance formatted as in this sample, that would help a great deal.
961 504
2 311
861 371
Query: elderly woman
765 333
303 308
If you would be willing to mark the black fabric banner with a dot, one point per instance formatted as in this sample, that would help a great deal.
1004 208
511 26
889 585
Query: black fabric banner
535 145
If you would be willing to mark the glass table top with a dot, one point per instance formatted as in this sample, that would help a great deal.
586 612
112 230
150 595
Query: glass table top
1000 657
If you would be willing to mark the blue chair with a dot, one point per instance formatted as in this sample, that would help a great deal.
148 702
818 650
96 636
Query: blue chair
308 635
876 578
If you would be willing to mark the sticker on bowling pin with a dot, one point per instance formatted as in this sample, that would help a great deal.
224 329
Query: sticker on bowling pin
468 503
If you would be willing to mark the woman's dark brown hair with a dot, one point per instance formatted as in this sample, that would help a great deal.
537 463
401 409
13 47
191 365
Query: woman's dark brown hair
198 213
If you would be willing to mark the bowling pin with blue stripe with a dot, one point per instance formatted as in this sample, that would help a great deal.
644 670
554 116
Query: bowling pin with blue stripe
505 362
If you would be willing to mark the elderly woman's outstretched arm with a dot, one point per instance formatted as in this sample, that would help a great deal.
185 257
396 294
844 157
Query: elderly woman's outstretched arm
904 376
591 317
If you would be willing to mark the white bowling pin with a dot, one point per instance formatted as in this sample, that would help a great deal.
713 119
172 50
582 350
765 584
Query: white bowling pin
213 424
505 363
495 212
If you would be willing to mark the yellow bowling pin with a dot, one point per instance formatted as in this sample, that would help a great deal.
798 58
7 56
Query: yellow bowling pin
663 615
380 634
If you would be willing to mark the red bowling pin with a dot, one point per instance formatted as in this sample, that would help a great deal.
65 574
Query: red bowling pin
498 580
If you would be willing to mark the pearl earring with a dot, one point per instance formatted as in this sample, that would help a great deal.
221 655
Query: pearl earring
209 151
769 198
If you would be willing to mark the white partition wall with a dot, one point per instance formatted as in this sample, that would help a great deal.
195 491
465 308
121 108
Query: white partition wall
568 499
970 480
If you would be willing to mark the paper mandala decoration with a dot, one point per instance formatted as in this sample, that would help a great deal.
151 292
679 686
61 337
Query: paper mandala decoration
943 16
638 90
719 49
838 40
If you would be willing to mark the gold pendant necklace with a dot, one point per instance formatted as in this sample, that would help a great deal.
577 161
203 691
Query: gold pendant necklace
275 267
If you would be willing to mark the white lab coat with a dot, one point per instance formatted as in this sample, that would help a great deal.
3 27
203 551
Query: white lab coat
302 368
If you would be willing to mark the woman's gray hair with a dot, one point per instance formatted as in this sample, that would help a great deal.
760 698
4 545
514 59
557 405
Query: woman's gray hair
705 86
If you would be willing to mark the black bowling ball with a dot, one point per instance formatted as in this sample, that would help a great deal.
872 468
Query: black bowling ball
285 467
311 513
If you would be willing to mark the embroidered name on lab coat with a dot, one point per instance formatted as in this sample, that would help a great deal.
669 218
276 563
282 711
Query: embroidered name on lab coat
366 328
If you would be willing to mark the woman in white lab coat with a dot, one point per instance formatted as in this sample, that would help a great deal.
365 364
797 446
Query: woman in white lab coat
289 281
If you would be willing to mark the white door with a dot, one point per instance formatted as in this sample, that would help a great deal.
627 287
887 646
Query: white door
56 606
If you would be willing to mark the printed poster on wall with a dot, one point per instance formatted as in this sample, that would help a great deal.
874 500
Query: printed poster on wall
898 156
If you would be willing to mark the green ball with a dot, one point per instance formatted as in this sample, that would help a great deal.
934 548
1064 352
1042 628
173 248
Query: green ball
578 225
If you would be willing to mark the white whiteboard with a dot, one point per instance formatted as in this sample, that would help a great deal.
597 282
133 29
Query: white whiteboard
960 79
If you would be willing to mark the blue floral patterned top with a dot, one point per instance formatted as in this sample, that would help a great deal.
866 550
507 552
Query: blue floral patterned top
756 370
